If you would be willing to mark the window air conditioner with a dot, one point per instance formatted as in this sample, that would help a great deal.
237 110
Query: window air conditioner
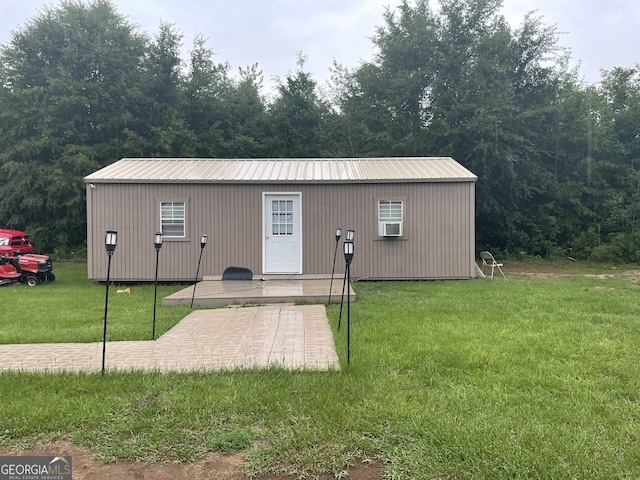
390 229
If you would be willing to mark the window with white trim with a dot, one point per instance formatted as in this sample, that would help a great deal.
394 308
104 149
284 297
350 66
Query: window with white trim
172 219
390 216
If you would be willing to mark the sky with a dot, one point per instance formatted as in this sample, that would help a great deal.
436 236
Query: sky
601 34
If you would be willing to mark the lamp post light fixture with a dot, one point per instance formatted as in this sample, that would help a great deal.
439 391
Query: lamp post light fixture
348 252
349 238
157 243
203 243
348 257
333 269
110 241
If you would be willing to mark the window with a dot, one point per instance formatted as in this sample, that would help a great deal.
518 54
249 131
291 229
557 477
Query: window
172 219
282 217
390 214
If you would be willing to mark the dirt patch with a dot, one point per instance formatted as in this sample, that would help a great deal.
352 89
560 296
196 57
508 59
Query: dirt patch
218 466
557 269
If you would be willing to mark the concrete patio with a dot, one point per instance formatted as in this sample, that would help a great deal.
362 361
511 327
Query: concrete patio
215 292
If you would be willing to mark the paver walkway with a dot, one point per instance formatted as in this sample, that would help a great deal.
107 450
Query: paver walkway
283 335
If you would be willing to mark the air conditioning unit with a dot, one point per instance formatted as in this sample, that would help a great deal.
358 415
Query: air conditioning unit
390 229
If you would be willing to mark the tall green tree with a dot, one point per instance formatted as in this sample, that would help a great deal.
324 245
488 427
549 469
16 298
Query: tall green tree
595 151
620 117
614 166
207 86
162 130
458 81
227 115
248 119
68 82
296 116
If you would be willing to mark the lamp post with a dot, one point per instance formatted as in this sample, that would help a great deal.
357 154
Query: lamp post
157 242
110 240
348 256
203 242
335 253
350 238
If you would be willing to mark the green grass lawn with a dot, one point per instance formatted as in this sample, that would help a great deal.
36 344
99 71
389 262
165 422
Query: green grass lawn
482 379
71 309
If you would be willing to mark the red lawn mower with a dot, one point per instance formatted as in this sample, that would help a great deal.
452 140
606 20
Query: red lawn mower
17 263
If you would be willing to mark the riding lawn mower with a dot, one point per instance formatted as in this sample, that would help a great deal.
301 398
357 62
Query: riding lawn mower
19 264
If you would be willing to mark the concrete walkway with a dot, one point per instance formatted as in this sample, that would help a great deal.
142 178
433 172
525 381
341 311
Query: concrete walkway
275 335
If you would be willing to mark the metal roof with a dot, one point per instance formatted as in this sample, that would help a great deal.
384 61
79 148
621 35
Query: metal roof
283 170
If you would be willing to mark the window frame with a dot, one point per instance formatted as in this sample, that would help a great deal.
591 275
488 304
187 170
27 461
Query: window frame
163 222
389 216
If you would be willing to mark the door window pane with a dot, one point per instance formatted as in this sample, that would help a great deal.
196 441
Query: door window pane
282 217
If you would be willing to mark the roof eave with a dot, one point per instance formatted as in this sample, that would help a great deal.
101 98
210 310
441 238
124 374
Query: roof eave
89 180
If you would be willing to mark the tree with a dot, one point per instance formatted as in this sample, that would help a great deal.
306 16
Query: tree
68 83
296 116
226 115
207 85
162 129
247 135
459 82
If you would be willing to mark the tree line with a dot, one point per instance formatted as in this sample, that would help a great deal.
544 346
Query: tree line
557 160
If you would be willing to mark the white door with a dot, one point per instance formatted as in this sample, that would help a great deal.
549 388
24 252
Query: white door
282 233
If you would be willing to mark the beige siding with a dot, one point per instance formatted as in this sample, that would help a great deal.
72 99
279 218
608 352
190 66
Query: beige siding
438 237
438 240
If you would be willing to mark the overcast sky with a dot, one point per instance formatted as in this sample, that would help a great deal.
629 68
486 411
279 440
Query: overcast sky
600 33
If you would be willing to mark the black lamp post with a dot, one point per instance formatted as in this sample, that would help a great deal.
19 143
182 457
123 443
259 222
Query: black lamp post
110 240
157 242
203 242
333 269
348 256
350 237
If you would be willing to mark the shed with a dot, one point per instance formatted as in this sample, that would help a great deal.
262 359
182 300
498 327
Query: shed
414 217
